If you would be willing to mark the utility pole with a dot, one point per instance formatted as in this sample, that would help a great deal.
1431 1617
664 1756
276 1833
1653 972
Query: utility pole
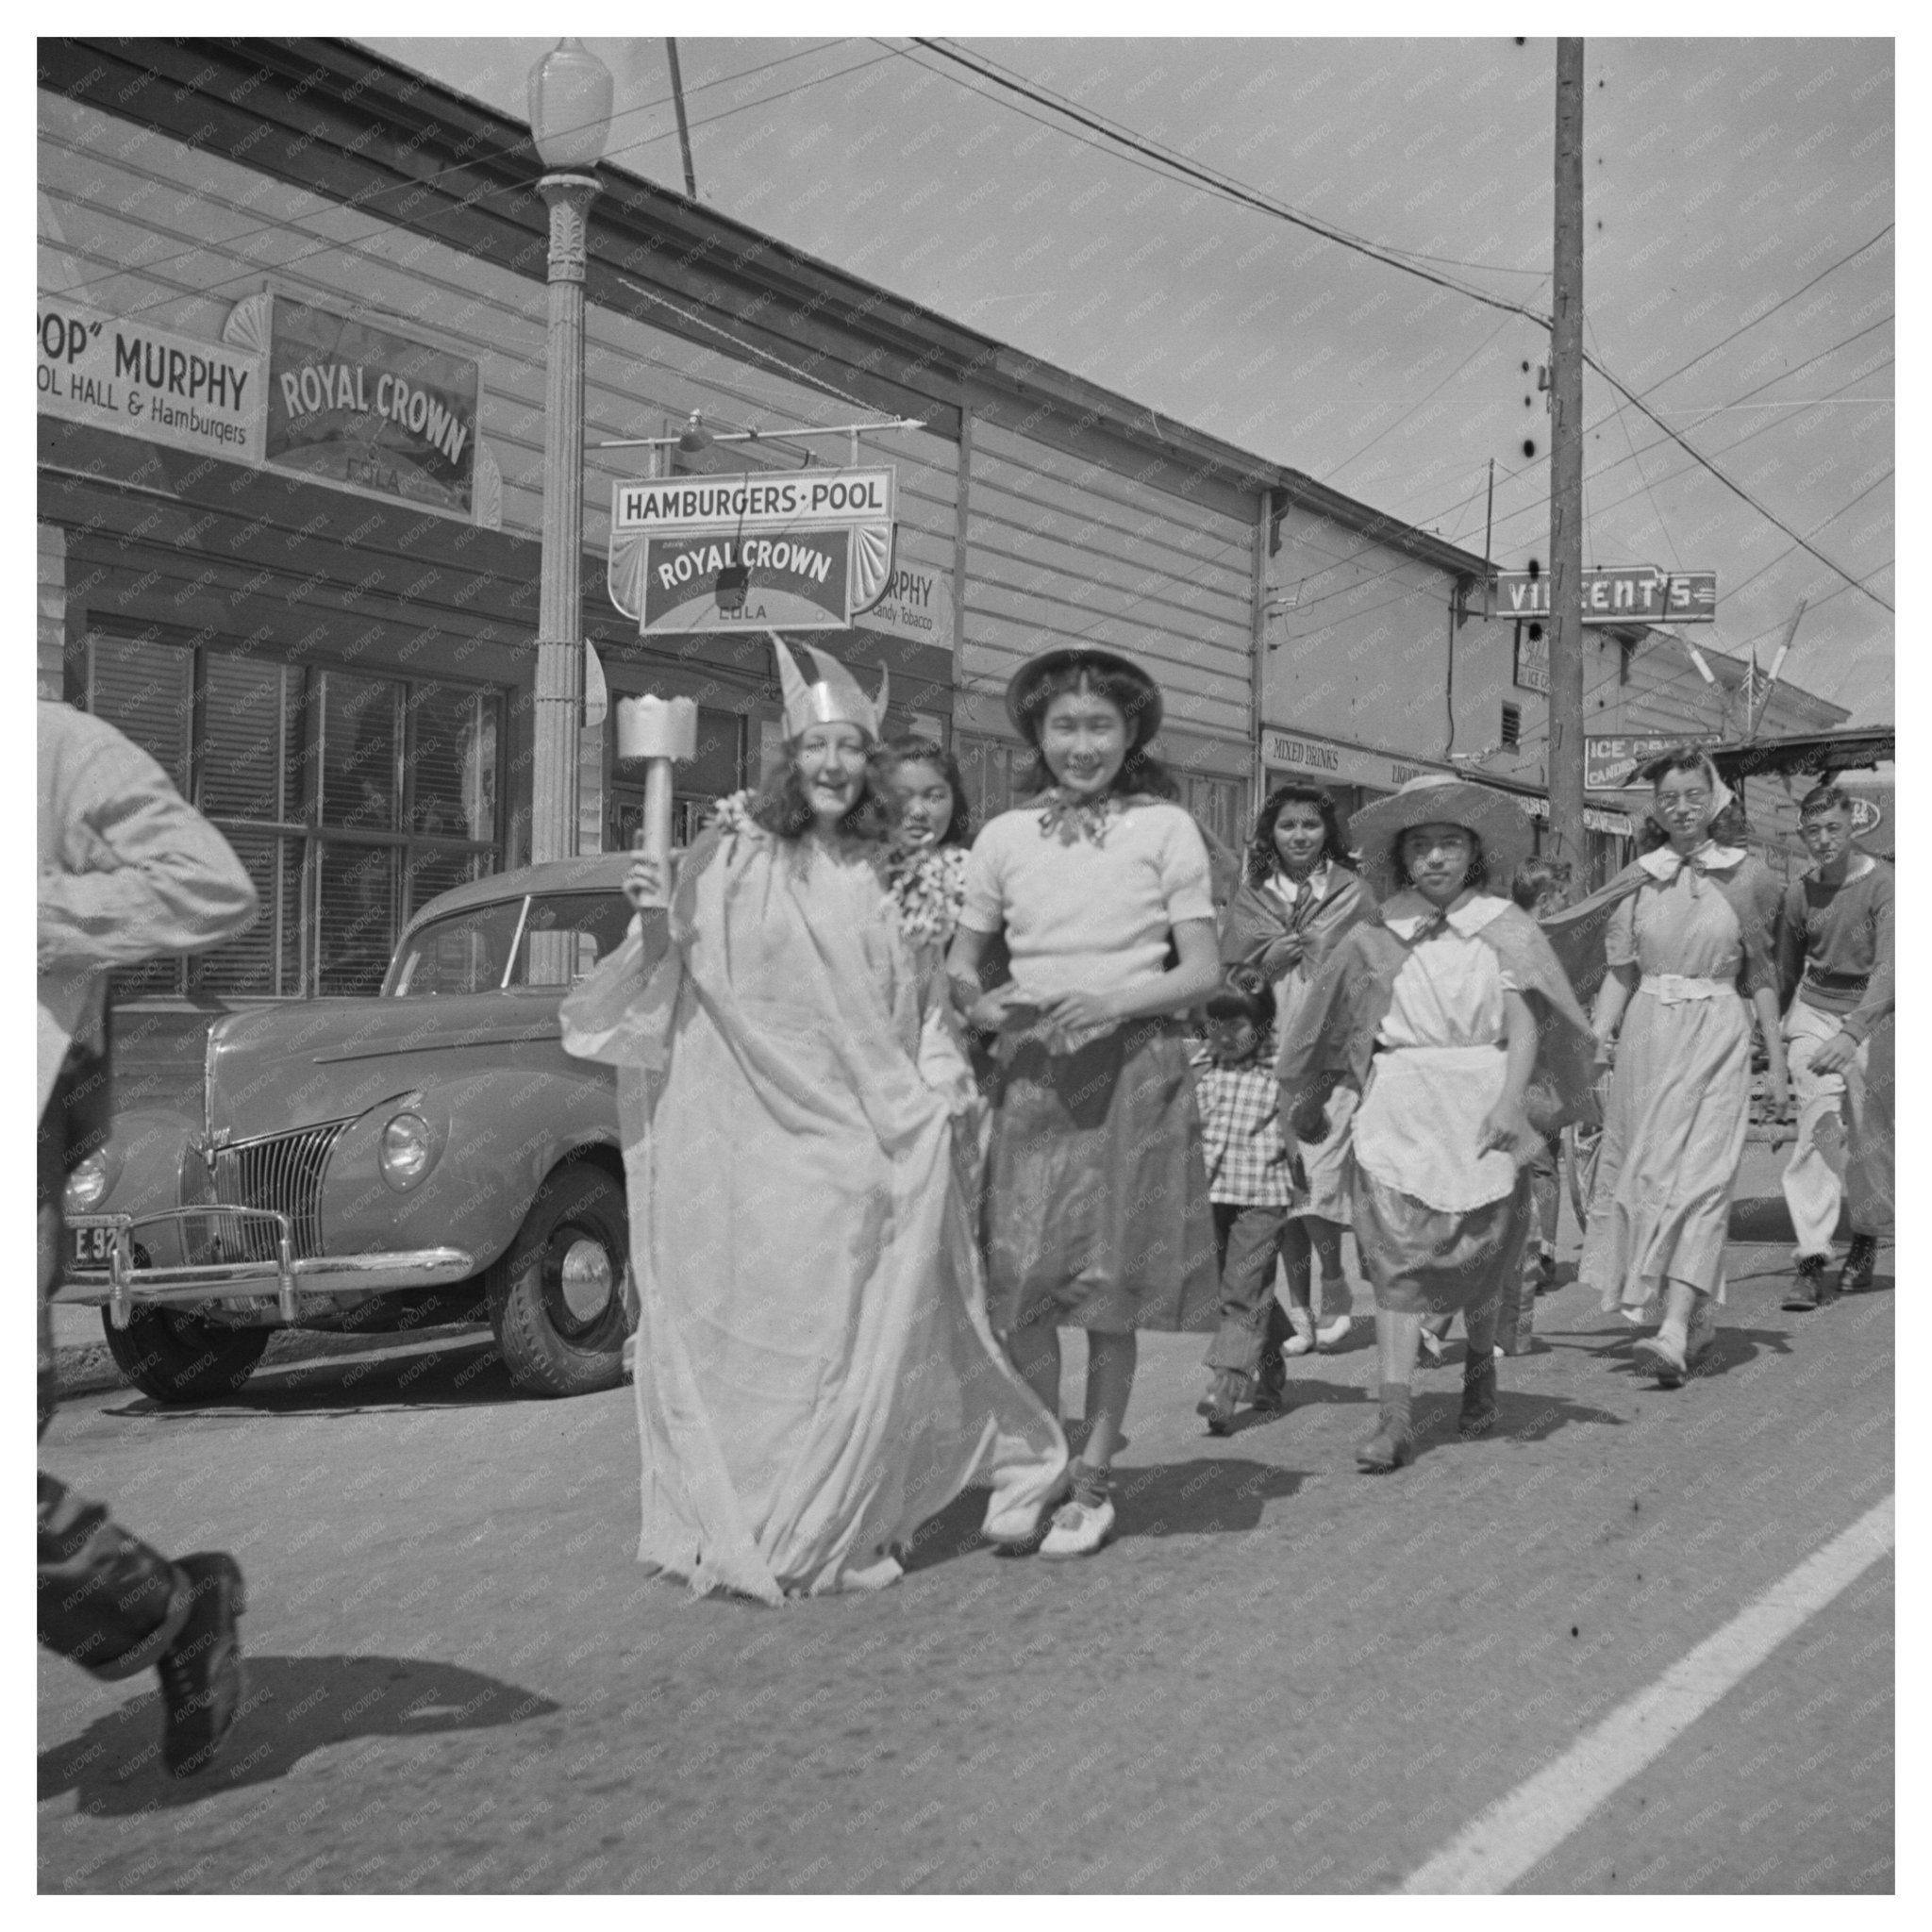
1566 470
691 179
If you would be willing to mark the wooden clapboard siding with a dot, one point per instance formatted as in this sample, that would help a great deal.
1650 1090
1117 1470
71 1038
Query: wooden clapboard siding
1356 643
159 1048
1059 548
179 235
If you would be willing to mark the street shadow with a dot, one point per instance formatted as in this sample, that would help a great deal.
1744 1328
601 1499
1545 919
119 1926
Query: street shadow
1732 1349
1197 1497
465 1373
292 1706
1523 1415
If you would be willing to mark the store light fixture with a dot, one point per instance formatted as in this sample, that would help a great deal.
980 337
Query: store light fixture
732 588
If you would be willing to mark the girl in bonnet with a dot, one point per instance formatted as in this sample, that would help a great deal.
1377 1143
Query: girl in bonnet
1451 1018
1689 951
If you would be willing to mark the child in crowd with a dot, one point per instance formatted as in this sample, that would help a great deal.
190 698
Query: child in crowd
1251 1189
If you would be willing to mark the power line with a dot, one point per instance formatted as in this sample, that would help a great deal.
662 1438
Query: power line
1737 490
1160 161
1704 354
1238 192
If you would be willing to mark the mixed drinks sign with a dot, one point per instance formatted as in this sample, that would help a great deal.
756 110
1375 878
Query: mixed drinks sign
797 549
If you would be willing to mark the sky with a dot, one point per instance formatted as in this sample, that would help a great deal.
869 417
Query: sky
1738 279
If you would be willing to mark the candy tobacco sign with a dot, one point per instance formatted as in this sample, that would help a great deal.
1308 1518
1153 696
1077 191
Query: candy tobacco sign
802 550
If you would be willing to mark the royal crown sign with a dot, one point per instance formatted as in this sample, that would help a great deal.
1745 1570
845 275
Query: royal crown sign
1633 594
798 549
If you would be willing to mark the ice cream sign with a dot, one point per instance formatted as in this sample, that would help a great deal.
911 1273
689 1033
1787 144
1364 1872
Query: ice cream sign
791 550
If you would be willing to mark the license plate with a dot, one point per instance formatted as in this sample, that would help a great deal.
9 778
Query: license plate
93 1247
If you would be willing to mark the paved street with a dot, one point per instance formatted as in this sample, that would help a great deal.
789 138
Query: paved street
1283 1675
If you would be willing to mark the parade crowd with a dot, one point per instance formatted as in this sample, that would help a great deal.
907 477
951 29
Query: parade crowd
900 1103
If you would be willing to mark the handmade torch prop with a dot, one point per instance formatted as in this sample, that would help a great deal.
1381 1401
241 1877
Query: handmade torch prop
663 732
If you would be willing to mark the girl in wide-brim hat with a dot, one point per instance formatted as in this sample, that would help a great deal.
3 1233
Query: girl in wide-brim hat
1439 1011
1096 1210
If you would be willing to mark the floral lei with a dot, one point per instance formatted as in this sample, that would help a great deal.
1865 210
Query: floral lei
927 885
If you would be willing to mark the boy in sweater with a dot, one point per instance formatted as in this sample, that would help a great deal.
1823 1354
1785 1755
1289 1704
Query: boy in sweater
1834 945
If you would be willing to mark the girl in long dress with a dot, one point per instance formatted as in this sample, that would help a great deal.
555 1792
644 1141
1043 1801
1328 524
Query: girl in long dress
1440 1012
1689 951
1097 1212
1300 893
814 1372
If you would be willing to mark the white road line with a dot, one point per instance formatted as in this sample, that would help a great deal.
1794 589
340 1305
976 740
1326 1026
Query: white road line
1518 1831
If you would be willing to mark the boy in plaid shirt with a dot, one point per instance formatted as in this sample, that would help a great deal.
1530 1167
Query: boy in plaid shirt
1251 1186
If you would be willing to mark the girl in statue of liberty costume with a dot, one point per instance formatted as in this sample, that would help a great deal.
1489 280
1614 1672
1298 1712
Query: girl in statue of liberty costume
814 1372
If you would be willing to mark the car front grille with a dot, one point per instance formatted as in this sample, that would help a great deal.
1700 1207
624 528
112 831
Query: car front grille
283 1173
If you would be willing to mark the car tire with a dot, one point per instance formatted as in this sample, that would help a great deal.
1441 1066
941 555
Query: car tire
559 1296
177 1356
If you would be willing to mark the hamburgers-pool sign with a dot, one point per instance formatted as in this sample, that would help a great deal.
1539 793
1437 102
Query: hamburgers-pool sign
796 550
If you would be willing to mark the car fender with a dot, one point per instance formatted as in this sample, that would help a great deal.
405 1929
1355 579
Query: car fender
494 1135
152 1164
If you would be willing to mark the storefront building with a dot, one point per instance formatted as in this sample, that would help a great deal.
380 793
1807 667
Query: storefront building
291 393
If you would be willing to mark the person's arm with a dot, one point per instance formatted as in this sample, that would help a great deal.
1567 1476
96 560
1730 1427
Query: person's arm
980 1009
1881 992
1765 1003
1788 946
145 873
1620 974
1183 984
1613 996
1506 1126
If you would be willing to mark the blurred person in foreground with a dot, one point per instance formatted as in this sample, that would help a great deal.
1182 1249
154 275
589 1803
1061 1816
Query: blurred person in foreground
128 869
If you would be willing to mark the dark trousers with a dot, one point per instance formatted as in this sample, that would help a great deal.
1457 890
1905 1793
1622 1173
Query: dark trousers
105 1598
1248 1241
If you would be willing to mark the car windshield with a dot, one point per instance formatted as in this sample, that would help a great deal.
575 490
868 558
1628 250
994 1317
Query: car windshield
464 953
563 939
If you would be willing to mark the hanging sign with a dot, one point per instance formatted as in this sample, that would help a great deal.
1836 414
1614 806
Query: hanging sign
371 410
148 382
1531 670
797 550
1632 594
1612 764
917 605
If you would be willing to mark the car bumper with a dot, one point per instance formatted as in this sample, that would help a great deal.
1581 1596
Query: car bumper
287 1278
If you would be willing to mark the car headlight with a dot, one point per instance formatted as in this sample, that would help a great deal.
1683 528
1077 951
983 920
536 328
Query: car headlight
406 1150
86 1185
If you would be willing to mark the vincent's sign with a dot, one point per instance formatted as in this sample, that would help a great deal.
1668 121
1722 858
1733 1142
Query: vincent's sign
797 550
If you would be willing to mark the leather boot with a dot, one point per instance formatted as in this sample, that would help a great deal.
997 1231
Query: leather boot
1854 1277
1808 1286
1392 1444
1478 1416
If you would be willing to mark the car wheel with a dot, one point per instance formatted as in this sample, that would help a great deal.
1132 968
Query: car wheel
177 1356
556 1293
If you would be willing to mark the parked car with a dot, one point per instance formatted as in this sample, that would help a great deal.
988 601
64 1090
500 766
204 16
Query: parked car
428 1156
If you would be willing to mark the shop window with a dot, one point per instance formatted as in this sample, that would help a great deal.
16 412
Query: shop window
351 799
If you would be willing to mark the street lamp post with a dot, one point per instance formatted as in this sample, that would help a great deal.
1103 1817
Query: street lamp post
570 117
